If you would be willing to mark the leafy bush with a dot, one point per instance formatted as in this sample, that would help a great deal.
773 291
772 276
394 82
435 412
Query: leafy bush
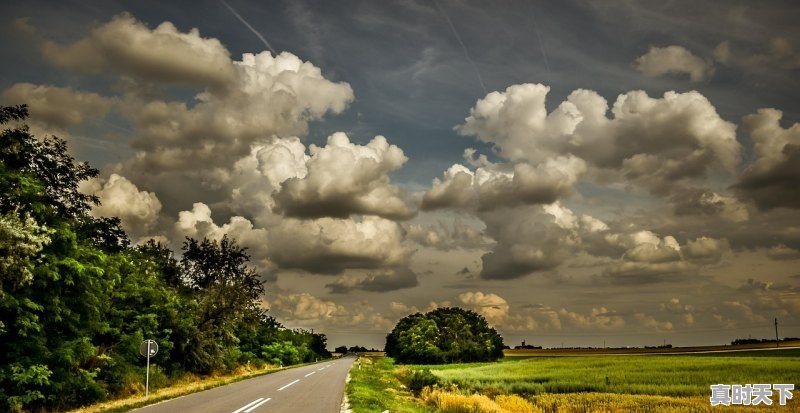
420 379
283 353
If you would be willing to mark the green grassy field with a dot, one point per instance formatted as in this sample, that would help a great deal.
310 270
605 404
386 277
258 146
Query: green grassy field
665 375
610 383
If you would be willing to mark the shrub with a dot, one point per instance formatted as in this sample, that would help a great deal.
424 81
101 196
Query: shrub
420 379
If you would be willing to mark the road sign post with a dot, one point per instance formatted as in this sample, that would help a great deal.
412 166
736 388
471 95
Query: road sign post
148 348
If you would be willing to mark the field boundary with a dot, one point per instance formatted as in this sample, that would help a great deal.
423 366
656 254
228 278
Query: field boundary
510 353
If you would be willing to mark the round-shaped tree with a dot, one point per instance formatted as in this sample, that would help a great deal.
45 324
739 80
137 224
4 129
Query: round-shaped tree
444 335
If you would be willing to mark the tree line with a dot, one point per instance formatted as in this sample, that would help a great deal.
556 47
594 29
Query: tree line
77 299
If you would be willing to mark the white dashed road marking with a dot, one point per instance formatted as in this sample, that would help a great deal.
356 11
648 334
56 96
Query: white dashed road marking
288 385
257 404
248 405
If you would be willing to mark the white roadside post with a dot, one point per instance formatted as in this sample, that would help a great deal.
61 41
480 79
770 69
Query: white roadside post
148 348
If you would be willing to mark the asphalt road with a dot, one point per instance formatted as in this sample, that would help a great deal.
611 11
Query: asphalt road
317 388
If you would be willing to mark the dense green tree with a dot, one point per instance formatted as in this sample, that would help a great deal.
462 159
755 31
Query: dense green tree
444 335
227 292
142 306
40 176
104 233
51 315
21 239
76 299
164 259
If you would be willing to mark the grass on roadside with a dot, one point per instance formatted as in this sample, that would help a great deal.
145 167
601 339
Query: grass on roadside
187 385
376 387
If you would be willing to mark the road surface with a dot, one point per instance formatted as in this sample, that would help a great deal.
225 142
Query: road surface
317 388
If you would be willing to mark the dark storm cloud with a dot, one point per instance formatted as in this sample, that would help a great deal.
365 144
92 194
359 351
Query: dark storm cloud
629 273
528 240
697 201
459 235
331 246
58 108
381 281
772 179
128 47
782 252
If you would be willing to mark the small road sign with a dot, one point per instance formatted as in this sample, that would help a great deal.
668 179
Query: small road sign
148 348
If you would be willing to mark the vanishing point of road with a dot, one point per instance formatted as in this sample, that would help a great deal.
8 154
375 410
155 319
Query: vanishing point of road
316 388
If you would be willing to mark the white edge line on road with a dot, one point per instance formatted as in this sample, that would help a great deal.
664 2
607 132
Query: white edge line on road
309 374
257 405
288 385
241 409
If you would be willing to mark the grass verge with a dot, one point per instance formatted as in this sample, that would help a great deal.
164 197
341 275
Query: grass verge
187 385
376 387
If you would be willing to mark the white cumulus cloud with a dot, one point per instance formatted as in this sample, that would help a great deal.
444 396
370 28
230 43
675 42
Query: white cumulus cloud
678 60
653 142
137 210
344 178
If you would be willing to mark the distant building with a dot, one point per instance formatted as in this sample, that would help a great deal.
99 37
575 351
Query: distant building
524 346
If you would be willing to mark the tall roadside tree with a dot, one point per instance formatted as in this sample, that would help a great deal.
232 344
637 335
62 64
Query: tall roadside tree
51 310
227 292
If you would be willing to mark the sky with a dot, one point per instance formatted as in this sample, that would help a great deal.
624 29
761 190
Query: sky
581 173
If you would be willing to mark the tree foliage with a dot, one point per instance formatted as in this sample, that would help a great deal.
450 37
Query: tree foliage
76 298
20 240
444 335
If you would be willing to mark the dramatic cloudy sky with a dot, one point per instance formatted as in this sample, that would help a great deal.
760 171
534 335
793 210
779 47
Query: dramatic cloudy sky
578 172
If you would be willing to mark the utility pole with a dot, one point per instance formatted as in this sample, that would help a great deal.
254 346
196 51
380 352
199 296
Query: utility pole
777 340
